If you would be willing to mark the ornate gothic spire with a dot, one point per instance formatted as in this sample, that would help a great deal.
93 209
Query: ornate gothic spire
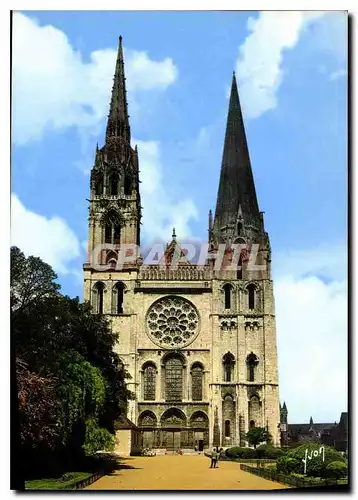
236 187
118 118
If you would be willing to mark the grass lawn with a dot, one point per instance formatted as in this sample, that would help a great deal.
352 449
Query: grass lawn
56 484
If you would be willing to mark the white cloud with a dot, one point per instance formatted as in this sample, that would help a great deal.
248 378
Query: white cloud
54 88
312 333
160 213
328 260
338 74
259 65
51 239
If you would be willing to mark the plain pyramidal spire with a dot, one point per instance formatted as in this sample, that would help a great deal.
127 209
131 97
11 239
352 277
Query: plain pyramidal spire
236 185
118 118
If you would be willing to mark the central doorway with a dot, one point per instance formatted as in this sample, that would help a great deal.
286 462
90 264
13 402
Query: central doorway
173 440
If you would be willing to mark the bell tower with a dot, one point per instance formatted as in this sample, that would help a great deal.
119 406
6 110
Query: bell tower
115 210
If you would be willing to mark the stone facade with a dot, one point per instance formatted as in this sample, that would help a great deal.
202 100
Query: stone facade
198 342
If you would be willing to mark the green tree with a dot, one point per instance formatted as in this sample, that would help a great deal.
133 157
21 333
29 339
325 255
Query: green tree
31 280
67 352
257 435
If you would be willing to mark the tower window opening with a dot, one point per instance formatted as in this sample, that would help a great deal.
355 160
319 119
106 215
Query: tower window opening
227 428
228 362
113 185
251 362
239 228
127 185
99 289
251 292
117 234
120 292
252 424
239 268
227 294
99 187
108 233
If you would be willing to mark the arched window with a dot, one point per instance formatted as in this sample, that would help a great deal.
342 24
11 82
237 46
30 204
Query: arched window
113 184
173 379
239 228
111 259
118 297
227 295
112 227
251 362
99 290
252 424
117 234
197 382
251 291
99 186
239 268
108 233
149 376
227 428
127 185
228 362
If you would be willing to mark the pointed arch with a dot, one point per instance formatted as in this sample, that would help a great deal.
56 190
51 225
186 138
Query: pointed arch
228 419
251 362
98 297
199 419
252 291
147 419
111 259
228 365
255 407
111 220
173 417
228 295
197 379
118 297
149 380
227 429
173 377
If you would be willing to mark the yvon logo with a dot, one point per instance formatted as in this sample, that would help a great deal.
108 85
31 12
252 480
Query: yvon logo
314 453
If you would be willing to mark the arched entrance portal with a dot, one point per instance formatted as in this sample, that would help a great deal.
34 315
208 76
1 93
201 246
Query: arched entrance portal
173 430
148 423
173 425
199 424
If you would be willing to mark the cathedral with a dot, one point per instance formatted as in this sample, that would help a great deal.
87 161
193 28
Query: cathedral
198 339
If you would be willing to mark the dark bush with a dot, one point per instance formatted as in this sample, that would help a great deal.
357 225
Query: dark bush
286 465
337 470
269 451
237 452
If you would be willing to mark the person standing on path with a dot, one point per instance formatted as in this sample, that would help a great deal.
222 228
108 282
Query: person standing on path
214 458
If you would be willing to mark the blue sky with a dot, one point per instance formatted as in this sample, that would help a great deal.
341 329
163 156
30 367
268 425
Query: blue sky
292 76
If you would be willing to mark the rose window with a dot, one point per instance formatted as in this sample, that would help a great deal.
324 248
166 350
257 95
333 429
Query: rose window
172 322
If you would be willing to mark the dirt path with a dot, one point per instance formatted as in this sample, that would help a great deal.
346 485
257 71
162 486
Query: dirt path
180 473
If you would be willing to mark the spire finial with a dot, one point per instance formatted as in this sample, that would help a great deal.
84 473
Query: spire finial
236 185
118 118
174 235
